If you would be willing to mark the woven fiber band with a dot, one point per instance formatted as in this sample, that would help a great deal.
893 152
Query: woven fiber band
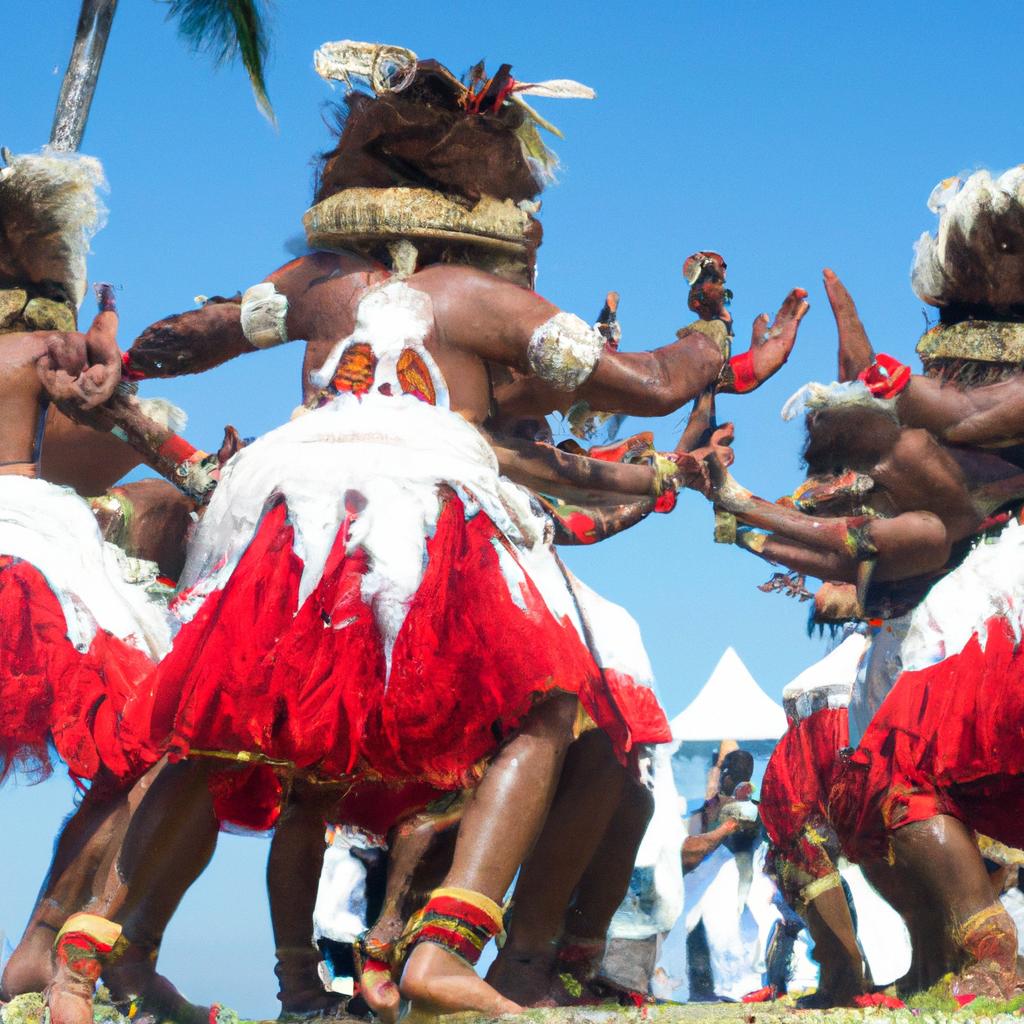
459 920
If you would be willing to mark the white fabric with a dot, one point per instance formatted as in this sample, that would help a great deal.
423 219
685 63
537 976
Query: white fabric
719 892
1013 903
730 704
882 935
989 582
826 683
387 455
655 897
340 911
564 351
53 529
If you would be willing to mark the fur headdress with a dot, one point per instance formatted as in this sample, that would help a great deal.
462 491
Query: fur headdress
49 211
460 160
973 270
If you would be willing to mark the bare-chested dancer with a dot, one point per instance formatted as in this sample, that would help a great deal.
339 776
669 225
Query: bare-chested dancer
895 512
402 379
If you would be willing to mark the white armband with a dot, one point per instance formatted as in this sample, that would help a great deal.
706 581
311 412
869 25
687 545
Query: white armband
564 351
264 310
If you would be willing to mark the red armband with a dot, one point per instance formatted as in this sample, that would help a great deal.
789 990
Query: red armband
665 502
885 377
742 366
176 449
128 372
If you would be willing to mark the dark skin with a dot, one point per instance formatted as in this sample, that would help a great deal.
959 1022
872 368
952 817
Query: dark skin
931 498
82 368
149 520
479 319
932 495
992 415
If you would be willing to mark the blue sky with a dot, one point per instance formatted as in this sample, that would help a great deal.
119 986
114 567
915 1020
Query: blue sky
787 137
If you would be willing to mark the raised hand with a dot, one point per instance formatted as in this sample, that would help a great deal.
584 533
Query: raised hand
770 346
855 351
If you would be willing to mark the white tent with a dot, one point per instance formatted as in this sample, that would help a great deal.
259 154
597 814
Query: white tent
730 705
834 674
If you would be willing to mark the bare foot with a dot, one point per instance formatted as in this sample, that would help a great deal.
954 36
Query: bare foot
438 981
524 977
380 992
154 995
373 954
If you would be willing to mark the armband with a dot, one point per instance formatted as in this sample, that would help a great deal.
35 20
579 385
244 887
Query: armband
885 377
738 375
264 310
128 372
813 890
858 540
564 351
751 538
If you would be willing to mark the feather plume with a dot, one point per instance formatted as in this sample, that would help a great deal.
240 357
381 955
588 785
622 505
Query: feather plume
226 29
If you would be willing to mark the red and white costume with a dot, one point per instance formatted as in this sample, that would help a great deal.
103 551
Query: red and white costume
946 739
75 638
366 601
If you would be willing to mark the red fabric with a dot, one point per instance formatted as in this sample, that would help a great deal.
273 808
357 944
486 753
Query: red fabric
885 377
177 449
762 995
744 378
948 739
665 502
800 774
249 674
52 694
879 999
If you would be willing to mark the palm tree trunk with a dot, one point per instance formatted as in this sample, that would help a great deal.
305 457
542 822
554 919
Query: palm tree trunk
79 83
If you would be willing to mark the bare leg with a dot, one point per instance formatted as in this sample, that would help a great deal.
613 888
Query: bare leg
942 852
419 856
293 871
98 824
836 950
932 955
499 827
587 796
168 843
605 883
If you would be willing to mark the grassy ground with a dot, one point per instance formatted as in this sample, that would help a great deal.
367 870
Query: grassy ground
30 1010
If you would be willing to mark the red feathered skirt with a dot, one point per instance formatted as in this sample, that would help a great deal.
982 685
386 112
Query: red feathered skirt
949 739
794 801
52 696
283 689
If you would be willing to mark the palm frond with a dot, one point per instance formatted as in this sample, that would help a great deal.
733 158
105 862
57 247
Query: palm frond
226 29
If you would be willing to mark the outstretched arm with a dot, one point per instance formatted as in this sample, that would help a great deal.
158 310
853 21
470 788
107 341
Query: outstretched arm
500 322
910 544
696 848
543 468
590 524
992 414
190 342
267 314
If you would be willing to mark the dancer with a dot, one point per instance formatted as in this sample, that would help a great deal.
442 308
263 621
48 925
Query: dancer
382 588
